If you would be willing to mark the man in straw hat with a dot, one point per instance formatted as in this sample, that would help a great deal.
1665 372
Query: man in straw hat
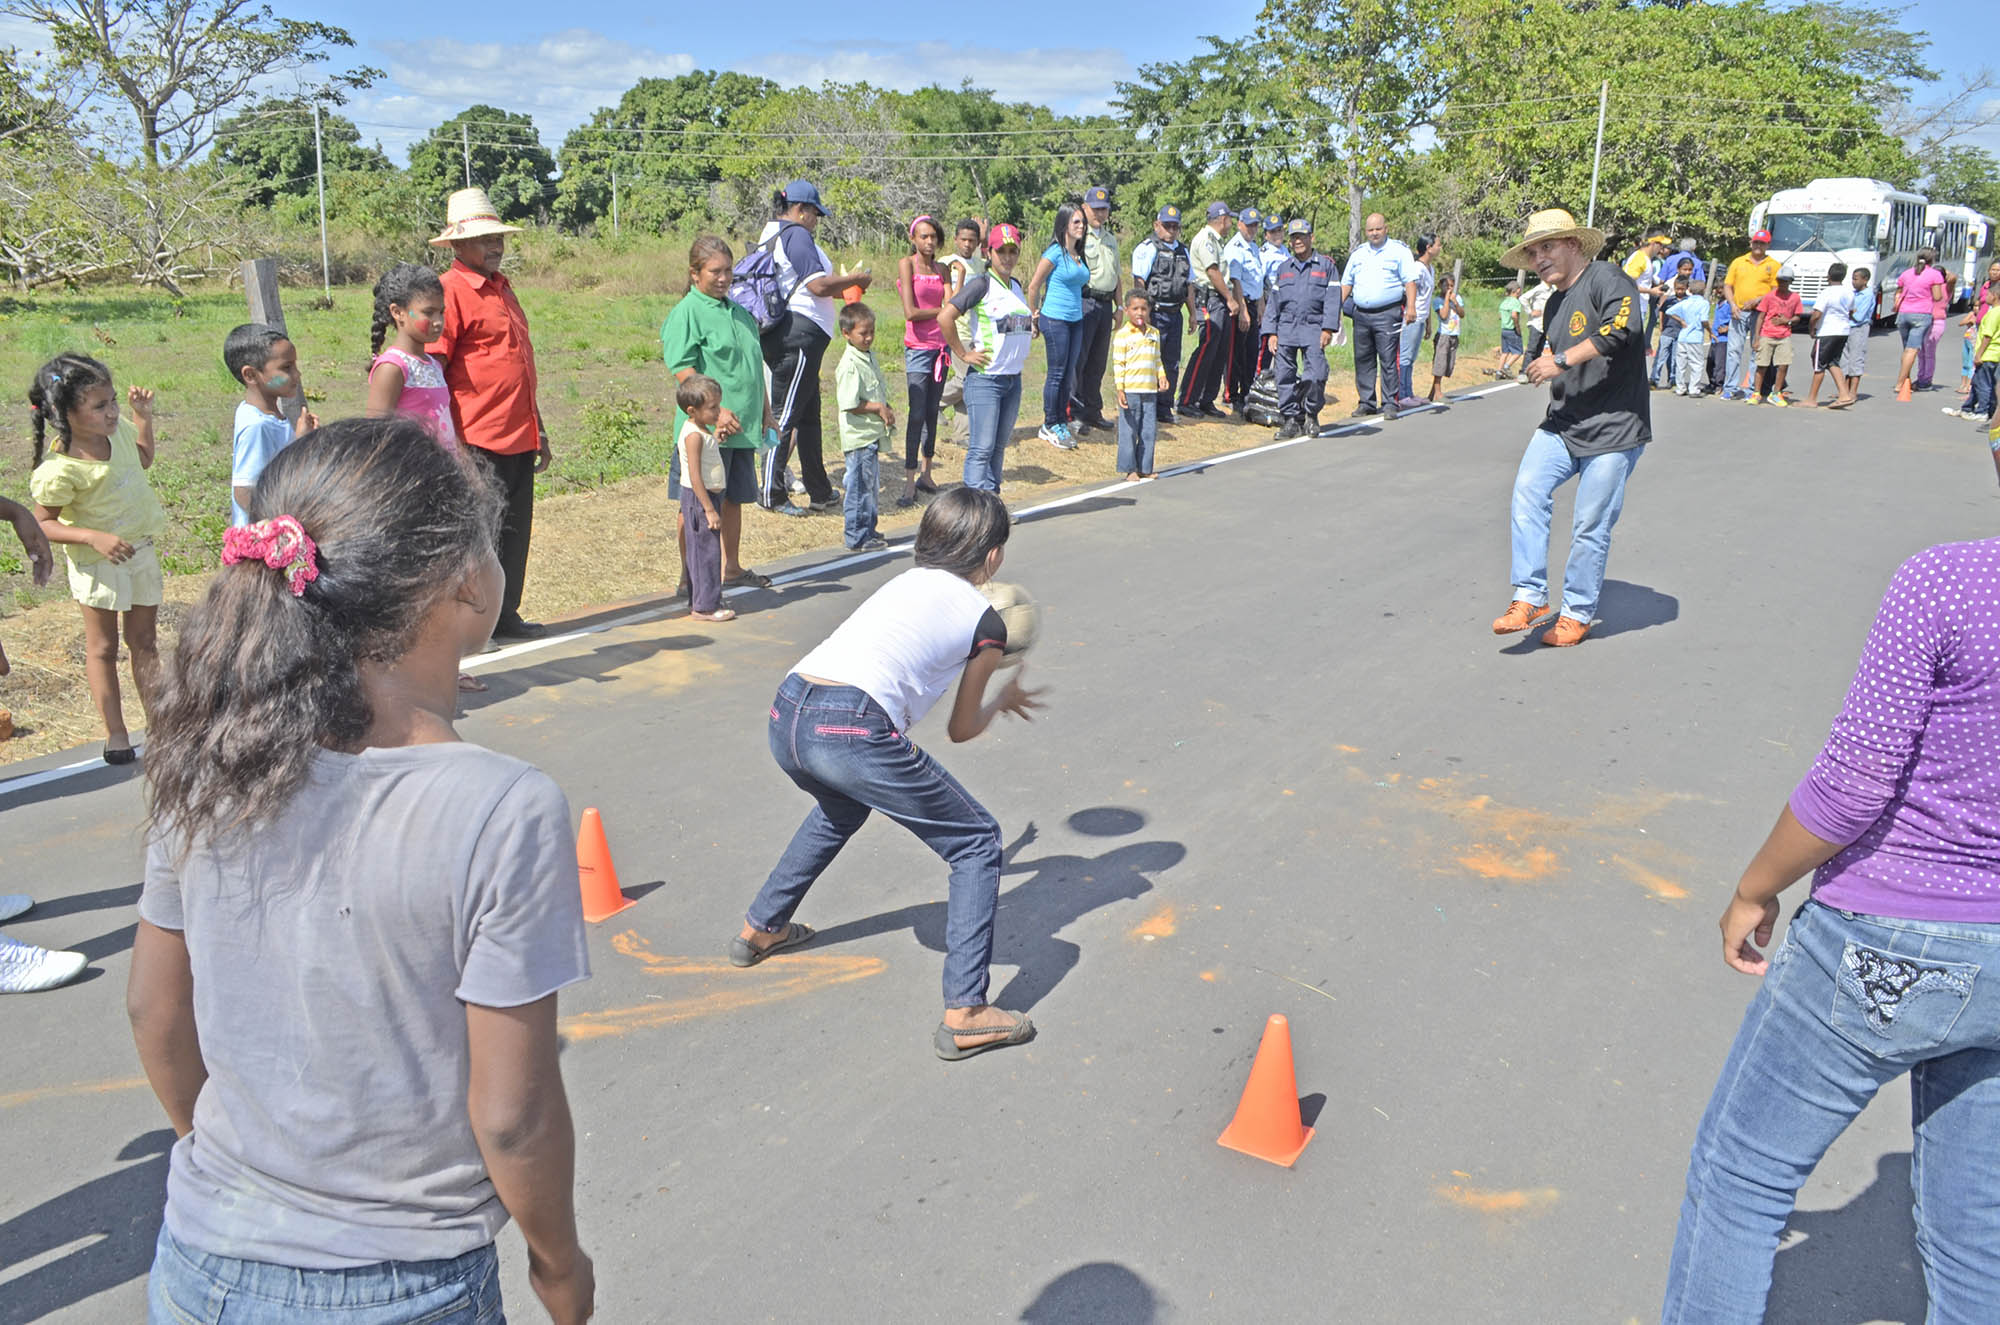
1591 351
490 367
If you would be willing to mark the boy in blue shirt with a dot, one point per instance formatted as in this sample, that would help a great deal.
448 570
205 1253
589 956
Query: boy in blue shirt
1688 314
1718 345
266 365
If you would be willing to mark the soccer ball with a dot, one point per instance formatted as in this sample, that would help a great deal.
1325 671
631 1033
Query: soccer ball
1018 612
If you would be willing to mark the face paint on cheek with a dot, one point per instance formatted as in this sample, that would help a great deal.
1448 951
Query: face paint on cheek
276 383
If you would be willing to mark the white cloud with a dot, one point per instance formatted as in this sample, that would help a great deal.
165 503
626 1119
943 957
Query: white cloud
1066 78
559 79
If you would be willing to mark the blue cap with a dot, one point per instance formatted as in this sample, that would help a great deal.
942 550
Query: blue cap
1299 226
1097 197
1169 215
800 190
1273 221
1216 209
1250 216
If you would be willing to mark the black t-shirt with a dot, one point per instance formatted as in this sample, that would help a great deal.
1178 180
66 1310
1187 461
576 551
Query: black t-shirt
1603 405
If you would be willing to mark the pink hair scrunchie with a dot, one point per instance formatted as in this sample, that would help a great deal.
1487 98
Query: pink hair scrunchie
280 543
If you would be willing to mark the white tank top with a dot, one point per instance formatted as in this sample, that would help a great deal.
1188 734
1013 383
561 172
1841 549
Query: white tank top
908 642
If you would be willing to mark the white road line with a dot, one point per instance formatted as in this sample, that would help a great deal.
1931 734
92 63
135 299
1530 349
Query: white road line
525 647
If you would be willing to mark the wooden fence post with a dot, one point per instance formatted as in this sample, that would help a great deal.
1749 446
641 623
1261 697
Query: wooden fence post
260 288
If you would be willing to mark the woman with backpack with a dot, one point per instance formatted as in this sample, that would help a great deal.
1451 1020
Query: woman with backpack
795 343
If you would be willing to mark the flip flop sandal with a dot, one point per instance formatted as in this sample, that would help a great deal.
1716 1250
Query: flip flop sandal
750 577
945 1041
744 953
469 684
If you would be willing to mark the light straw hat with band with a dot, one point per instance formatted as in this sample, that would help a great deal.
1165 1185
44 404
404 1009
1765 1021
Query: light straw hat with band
471 213
1554 223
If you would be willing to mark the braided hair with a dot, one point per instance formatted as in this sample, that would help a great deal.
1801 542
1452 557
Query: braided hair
54 392
399 285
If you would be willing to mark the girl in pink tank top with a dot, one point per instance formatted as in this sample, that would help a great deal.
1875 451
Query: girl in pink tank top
402 379
921 283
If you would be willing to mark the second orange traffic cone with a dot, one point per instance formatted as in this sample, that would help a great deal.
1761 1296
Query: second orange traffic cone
1903 392
1267 1122
602 898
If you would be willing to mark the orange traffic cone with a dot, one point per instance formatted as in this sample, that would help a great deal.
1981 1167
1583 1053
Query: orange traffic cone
1903 391
1267 1121
598 876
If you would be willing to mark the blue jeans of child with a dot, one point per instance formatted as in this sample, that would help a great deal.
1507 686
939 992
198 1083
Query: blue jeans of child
1138 429
841 749
991 405
1600 495
190 1287
863 483
1979 403
1063 343
1410 340
1849 1003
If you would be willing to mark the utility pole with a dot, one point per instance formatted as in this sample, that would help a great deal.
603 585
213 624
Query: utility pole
1597 159
614 202
319 166
465 140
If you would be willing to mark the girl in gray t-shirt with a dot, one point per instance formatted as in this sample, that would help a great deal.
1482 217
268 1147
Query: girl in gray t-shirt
353 925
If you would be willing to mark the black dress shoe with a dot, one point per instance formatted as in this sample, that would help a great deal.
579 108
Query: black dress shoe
1102 423
519 629
1211 412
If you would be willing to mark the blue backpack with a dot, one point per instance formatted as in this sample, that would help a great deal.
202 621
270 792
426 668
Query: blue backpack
756 282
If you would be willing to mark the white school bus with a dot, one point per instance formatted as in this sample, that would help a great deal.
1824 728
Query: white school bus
1963 239
1861 222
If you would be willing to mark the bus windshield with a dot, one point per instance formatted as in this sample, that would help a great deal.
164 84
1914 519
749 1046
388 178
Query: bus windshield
1792 231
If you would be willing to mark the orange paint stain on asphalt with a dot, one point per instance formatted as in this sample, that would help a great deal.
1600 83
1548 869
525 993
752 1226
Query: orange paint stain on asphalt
718 986
1158 925
15 1098
1653 882
1208 976
1348 749
1528 866
1519 1200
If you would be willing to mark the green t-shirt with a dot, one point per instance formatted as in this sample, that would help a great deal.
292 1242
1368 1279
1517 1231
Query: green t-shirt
718 338
856 382
1512 313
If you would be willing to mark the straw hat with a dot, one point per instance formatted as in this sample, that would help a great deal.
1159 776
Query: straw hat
470 212
1554 223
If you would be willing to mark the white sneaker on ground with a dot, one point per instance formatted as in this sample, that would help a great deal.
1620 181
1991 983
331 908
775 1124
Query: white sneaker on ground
1952 411
14 904
27 969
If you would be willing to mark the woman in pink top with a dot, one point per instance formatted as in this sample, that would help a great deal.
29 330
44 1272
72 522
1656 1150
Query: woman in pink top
921 283
1922 296
402 379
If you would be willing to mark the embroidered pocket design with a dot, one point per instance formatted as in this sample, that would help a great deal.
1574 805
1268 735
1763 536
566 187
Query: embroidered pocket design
841 731
1884 987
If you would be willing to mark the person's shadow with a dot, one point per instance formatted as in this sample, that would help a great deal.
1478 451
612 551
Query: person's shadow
114 1217
1059 891
1858 1263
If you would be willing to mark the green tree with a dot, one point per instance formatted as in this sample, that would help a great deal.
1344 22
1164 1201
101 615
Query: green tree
507 160
272 144
663 139
1963 174
178 65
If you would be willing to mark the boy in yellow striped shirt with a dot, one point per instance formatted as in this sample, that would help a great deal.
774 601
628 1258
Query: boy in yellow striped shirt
1140 377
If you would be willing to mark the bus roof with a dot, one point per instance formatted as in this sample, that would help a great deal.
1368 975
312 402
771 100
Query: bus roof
1842 192
1950 211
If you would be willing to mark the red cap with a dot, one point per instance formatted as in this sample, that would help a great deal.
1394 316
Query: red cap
1760 236
1002 233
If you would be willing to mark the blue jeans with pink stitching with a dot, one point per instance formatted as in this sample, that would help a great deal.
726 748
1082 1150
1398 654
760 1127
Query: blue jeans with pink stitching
841 748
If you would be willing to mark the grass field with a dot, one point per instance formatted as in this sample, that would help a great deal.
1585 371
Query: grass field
604 529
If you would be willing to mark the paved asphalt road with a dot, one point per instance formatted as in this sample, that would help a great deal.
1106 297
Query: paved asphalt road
1285 768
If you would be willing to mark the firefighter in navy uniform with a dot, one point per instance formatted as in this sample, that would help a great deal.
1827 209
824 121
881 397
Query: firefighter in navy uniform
1160 267
1301 318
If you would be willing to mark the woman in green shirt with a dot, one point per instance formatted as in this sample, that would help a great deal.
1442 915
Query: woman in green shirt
710 334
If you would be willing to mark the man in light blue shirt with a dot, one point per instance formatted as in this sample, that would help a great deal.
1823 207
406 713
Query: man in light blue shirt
1379 290
1274 247
1245 259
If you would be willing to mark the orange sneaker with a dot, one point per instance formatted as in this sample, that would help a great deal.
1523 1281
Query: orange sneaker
1519 616
1566 631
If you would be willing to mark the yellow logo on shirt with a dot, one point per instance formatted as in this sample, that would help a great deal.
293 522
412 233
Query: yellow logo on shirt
1576 323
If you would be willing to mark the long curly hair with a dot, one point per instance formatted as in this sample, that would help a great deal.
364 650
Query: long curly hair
58 385
264 678
400 284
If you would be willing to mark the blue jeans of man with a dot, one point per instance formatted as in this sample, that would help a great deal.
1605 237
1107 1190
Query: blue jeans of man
841 749
1138 429
1378 335
1409 341
1851 1002
1600 495
862 483
991 404
1168 320
1739 347
192 1286
1062 342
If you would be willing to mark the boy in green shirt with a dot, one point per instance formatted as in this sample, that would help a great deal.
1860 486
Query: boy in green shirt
865 423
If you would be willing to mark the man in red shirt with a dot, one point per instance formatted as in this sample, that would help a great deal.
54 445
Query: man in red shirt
490 367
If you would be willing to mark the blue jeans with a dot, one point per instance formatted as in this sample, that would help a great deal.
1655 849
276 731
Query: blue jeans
1739 343
1600 495
1912 328
991 404
1979 401
190 1287
863 482
1412 340
1849 1003
841 749
1138 428
1063 343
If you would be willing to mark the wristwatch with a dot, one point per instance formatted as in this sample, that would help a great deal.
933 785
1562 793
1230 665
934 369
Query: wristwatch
1562 358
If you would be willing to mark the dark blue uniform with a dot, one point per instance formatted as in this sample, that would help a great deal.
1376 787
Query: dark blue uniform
1303 301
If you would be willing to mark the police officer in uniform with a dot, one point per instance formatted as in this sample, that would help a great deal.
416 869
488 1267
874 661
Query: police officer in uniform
1381 279
1301 318
1272 251
1246 273
1221 310
1100 311
1162 267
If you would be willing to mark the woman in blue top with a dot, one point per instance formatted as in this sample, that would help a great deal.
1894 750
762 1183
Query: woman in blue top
1056 292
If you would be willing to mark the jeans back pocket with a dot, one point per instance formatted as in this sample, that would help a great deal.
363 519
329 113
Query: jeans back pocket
1893 1005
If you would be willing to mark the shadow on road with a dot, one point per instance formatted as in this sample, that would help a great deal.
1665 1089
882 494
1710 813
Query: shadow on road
1101 1293
102 899
78 784
1059 891
115 1218
1084 507
597 665
1622 607
1858 1263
